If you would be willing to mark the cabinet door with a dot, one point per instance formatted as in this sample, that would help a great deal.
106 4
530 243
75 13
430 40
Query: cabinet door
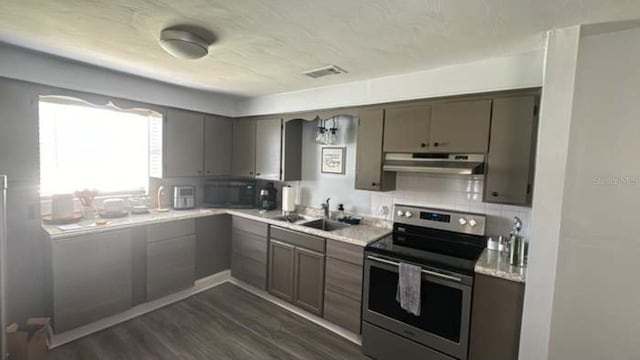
406 128
92 278
244 148
509 162
369 174
281 270
170 266
184 143
268 148
309 280
460 126
495 330
218 145
213 245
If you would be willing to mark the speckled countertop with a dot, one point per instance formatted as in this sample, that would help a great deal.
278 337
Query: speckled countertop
496 264
359 235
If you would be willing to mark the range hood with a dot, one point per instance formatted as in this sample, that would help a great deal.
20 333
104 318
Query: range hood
435 163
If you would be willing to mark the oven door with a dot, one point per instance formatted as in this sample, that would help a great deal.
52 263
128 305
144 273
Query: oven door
443 323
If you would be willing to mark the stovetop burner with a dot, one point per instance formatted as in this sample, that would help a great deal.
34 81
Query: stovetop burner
435 238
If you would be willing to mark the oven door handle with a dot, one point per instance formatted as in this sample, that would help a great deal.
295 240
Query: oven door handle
428 272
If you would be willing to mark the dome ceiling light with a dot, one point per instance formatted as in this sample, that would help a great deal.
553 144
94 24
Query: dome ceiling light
183 44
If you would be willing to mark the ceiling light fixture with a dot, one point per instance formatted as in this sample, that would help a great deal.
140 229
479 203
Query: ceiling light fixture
183 44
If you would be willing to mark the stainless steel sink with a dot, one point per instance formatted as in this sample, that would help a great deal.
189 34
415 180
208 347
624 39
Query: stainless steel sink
294 218
326 225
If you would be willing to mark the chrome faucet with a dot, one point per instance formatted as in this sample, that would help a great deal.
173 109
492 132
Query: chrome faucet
325 207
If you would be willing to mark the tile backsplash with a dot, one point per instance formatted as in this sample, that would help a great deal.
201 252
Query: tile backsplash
452 192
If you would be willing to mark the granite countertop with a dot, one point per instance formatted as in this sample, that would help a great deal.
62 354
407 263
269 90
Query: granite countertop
360 235
496 264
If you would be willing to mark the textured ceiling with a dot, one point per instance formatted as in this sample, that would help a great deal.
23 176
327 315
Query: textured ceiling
263 46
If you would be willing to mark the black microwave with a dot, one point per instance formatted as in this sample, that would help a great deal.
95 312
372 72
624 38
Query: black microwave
238 194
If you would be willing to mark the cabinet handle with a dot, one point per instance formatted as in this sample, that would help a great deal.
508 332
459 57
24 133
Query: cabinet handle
435 144
208 171
199 171
250 172
374 184
495 194
423 145
258 174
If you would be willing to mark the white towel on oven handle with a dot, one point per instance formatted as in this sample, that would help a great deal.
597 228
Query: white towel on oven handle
409 291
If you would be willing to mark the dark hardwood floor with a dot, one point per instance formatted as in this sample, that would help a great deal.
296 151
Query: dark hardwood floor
222 323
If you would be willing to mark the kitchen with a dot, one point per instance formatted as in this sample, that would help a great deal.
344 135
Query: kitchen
356 212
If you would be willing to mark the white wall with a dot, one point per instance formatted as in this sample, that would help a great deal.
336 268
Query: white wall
22 64
595 307
552 147
511 72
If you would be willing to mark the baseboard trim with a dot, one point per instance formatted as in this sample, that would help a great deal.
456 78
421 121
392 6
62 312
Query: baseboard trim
199 286
354 338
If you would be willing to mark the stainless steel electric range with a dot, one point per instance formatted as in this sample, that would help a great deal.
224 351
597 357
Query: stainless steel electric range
446 245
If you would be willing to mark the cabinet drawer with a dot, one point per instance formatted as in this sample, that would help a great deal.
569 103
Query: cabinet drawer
344 278
249 245
346 252
251 226
170 266
248 270
342 311
170 230
296 238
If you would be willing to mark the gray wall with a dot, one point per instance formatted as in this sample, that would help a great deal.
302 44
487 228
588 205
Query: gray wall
595 309
316 187
22 64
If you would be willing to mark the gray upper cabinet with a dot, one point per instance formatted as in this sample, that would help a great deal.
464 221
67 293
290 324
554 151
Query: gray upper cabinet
495 330
509 172
406 128
218 145
268 145
244 148
292 150
460 126
369 174
92 278
184 146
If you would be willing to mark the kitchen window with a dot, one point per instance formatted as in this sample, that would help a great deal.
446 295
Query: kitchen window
96 147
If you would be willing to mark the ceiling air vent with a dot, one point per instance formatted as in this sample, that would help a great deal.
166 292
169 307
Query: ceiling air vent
325 71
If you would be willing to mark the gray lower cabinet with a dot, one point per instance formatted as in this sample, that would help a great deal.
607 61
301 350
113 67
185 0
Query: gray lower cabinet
495 318
92 278
343 285
296 268
369 174
171 257
509 172
309 280
249 251
213 245
281 269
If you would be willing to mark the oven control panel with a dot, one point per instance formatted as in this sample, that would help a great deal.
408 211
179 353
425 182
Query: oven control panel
468 223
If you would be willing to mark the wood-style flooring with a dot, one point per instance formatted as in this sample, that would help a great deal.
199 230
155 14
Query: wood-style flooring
225 322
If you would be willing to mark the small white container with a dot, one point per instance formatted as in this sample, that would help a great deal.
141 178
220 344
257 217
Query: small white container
496 243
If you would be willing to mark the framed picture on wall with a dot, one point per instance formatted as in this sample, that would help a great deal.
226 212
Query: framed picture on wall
332 160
